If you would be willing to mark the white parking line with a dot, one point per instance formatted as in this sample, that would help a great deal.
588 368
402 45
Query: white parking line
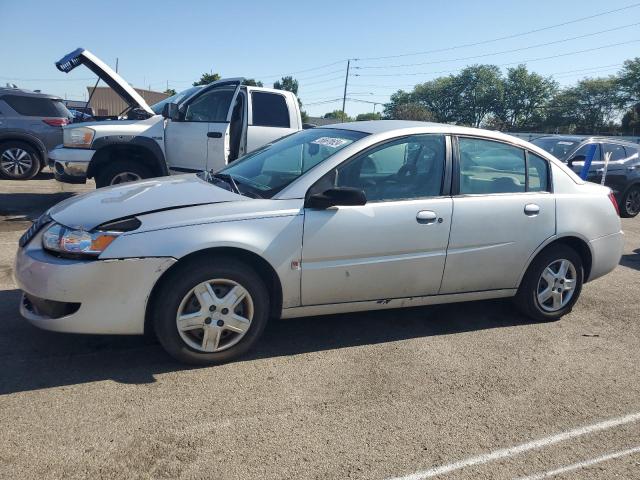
524 447
586 463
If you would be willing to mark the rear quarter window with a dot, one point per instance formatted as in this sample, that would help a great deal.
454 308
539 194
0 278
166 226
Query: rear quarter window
36 106
269 110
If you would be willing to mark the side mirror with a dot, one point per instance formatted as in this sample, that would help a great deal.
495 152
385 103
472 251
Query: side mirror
341 196
171 111
577 158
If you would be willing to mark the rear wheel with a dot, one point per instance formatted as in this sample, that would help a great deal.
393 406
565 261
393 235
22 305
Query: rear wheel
121 172
552 284
630 205
211 312
18 161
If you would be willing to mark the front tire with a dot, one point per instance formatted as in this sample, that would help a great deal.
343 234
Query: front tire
552 284
121 172
630 205
210 311
18 161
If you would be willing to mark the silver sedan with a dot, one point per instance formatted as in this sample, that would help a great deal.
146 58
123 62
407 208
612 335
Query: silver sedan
358 216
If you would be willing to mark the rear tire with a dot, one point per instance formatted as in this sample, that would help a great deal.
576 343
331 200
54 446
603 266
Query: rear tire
218 330
121 172
630 205
546 294
18 161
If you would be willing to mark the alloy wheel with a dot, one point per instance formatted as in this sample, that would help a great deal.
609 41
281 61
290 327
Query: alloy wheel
632 202
125 177
556 285
16 162
214 315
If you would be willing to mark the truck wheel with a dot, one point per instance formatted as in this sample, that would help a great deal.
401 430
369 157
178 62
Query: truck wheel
210 312
18 161
121 172
552 284
630 205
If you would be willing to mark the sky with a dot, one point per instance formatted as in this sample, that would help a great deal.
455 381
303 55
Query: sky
160 43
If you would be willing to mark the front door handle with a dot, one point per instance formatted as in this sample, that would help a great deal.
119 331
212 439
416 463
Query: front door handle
426 216
214 134
531 209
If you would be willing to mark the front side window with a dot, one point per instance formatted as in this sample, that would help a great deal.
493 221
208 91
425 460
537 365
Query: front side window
270 169
269 110
411 167
211 106
490 167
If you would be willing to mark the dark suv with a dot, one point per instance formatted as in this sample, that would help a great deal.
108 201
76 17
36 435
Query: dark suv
30 125
623 171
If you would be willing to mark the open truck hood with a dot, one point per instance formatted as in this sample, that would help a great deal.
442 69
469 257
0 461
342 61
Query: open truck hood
80 56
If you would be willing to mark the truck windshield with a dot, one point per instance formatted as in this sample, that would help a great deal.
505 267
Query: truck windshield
271 168
177 98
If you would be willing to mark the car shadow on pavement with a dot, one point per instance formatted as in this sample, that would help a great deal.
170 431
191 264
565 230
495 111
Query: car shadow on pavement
33 359
30 205
631 260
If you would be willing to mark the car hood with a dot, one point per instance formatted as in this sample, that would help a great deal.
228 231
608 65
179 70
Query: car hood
92 209
80 56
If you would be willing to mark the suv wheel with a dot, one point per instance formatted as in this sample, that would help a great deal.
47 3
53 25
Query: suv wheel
630 205
552 284
18 161
210 312
121 172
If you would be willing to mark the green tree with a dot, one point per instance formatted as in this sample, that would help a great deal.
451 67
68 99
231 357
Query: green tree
252 82
413 111
288 83
170 92
480 91
206 79
629 81
441 97
368 116
524 97
339 115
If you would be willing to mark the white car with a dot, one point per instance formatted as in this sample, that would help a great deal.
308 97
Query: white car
358 216
200 128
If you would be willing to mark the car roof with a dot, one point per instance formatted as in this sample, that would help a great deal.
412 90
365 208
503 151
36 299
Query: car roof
583 138
26 93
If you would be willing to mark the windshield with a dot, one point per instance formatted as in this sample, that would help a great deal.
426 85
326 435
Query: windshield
271 168
558 147
177 98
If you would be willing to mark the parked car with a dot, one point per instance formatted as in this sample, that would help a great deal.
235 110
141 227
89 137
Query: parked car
623 171
30 125
79 116
197 129
343 218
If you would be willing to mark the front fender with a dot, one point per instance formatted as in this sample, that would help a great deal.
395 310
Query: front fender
110 141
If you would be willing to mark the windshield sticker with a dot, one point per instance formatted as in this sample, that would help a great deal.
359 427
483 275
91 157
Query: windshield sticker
330 142
565 143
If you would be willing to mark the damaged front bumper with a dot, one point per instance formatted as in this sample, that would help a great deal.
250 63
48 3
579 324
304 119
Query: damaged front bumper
85 296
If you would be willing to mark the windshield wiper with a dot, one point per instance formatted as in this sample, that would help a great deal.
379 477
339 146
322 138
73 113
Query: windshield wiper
228 179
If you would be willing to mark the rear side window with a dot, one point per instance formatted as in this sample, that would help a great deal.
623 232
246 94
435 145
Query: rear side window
617 151
538 170
37 106
269 110
491 167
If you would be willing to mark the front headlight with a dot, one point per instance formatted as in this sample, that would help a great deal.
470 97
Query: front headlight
79 137
72 242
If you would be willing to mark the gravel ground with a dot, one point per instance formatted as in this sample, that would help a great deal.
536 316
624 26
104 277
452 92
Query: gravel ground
361 396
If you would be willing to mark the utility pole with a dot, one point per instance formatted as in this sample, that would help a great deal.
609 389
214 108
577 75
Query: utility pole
116 64
344 96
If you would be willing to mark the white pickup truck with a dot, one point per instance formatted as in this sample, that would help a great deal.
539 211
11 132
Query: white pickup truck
200 128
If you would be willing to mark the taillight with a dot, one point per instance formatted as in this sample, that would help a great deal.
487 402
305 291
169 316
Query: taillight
56 122
615 202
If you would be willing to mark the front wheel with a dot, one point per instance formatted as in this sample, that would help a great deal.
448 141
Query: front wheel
552 284
121 172
210 312
630 205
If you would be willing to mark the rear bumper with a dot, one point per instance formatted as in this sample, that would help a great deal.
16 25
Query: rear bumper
606 253
70 165
75 296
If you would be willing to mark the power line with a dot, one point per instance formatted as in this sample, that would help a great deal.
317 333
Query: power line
507 37
555 42
305 70
504 64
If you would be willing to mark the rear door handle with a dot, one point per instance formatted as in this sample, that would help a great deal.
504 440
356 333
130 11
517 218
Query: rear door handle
531 209
426 216
214 134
